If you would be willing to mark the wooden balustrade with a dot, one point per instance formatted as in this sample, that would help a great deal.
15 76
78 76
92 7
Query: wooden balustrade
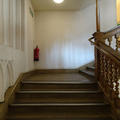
107 52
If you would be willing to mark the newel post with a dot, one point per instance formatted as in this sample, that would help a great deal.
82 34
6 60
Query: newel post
98 37
97 16
97 54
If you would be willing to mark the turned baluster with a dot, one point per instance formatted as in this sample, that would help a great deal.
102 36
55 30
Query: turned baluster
117 81
101 69
117 42
113 86
108 77
105 73
119 87
110 40
103 77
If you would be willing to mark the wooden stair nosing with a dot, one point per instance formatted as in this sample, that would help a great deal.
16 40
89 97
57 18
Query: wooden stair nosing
59 92
60 104
57 83
12 118
88 73
37 85
91 68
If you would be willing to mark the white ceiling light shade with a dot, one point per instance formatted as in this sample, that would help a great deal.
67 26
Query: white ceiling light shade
58 1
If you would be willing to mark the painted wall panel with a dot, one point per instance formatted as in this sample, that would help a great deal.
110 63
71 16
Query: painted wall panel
108 14
12 60
6 19
1 22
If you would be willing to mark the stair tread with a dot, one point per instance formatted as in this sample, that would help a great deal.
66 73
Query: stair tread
60 104
91 67
59 115
58 86
88 72
63 89
101 118
59 92
42 82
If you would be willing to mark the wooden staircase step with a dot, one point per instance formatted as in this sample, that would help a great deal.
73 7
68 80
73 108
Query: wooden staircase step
48 110
37 118
58 96
88 73
56 111
60 92
91 68
60 105
60 116
80 108
37 85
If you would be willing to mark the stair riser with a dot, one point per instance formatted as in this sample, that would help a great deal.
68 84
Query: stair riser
87 75
38 86
50 100
59 109
61 119
37 98
91 69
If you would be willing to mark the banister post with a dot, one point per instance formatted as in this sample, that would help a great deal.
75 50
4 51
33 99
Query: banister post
97 16
97 58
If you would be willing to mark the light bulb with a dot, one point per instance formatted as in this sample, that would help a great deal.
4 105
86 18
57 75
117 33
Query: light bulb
58 1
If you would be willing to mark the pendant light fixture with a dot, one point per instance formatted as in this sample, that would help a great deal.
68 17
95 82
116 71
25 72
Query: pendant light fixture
58 1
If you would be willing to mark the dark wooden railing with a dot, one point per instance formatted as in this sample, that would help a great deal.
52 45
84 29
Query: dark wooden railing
107 62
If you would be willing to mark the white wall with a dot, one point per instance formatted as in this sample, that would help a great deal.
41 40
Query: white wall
13 40
29 44
62 37
108 14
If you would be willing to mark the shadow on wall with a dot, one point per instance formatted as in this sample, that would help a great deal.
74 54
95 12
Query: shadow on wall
6 77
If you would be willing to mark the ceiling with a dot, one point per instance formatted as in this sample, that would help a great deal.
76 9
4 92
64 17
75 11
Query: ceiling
66 5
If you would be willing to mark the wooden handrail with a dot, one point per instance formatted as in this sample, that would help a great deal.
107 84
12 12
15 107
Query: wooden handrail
107 34
90 40
108 37
103 47
107 63
107 50
97 16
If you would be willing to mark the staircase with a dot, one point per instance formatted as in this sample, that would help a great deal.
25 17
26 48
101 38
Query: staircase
63 96
88 71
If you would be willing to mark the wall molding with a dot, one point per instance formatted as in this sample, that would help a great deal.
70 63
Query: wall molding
12 15
7 79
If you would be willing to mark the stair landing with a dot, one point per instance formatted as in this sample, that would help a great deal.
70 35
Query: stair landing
60 77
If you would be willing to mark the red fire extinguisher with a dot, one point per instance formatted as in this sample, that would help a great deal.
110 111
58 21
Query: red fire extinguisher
36 54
